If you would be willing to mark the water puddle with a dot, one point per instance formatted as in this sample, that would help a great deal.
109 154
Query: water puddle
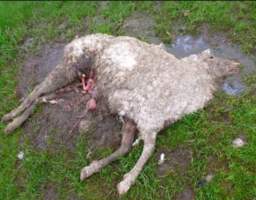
233 86
186 45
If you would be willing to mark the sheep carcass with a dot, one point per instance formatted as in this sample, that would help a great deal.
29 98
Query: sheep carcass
142 83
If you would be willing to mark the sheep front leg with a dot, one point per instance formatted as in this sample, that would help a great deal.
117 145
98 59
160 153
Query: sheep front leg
128 132
129 178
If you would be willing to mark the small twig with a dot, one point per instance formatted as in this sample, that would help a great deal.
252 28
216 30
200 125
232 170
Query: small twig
79 118
46 98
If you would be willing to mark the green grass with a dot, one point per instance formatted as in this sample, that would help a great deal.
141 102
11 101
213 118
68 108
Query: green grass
207 133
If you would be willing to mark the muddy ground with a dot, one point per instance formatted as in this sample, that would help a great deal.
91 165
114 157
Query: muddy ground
52 125
55 123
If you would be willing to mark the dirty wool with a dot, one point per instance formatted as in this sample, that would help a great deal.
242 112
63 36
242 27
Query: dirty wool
147 87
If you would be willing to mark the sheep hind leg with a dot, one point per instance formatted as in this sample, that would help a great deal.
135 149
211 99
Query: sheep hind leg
23 106
19 120
128 132
130 177
59 77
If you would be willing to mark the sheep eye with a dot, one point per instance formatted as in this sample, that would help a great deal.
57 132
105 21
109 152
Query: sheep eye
211 57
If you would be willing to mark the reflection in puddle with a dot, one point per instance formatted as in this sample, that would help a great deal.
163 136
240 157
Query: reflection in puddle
186 45
233 86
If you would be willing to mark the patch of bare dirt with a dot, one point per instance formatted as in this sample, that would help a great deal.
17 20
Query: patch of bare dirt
50 127
73 196
140 25
176 161
49 191
215 165
186 194
219 117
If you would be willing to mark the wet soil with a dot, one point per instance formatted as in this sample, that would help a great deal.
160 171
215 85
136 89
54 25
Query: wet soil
49 191
186 194
140 25
177 161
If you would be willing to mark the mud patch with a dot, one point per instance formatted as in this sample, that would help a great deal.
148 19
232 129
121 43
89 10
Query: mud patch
73 196
50 127
186 194
105 133
140 25
215 165
49 192
36 68
223 116
177 161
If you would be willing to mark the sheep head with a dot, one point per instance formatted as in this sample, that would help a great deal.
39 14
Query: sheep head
219 67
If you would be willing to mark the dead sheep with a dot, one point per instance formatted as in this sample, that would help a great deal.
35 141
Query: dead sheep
146 86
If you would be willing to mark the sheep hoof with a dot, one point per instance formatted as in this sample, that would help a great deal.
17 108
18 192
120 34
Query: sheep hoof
6 118
11 127
8 130
123 186
89 170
